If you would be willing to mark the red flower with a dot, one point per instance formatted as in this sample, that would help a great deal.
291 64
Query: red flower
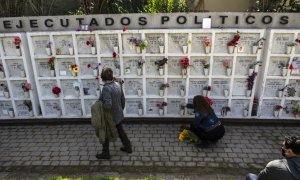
297 40
278 107
89 65
185 63
114 54
88 43
17 40
56 90
234 41
124 28
74 66
208 100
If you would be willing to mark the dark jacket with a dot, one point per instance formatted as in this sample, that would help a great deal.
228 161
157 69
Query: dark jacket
281 169
113 100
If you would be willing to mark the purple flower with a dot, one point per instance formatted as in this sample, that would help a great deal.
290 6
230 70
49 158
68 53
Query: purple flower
250 80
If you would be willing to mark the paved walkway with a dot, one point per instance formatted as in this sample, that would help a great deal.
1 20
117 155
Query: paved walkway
154 145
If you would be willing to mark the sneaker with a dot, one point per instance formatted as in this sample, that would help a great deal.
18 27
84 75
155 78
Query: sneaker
103 156
128 150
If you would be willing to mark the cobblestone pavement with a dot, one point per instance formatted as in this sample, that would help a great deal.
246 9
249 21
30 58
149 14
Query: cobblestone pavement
154 145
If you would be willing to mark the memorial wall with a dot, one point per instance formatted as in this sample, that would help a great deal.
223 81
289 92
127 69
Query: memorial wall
248 72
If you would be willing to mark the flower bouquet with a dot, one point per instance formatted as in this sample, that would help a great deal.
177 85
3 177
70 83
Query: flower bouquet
182 109
160 65
233 43
185 64
140 109
161 107
277 109
296 109
225 111
257 45
26 88
56 91
207 45
252 67
140 63
226 64
290 46
28 104
188 136
250 83
246 112
162 88
94 67
70 47
206 90
51 66
74 69
17 42
1 71
161 45
4 90
284 68
91 42
48 48
205 67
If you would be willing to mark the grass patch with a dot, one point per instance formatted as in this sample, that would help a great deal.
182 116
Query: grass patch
101 178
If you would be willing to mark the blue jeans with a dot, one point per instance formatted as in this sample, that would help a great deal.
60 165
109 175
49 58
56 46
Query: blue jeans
251 176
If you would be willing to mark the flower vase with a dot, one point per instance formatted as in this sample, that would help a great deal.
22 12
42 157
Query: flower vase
284 71
23 74
117 72
56 95
11 113
77 93
161 92
116 49
161 112
161 71
248 93
184 48
204 92
245 112
6 94
93 49
181 112
280 93
289 49
71 51
74 74
30 113
52 73
58 113
98 93
48 51
228 71
95 72
207 49
139 71
139 92
18 52
182 92
138 49
226 93
276 113
250 71
205 71
140 112
1 75
231 49
254 49
26 94
184 72
161 49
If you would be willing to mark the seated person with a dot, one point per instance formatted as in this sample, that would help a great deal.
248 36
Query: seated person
206 124
282 169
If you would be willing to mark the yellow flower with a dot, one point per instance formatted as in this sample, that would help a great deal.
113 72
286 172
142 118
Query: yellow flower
76 69
189 41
